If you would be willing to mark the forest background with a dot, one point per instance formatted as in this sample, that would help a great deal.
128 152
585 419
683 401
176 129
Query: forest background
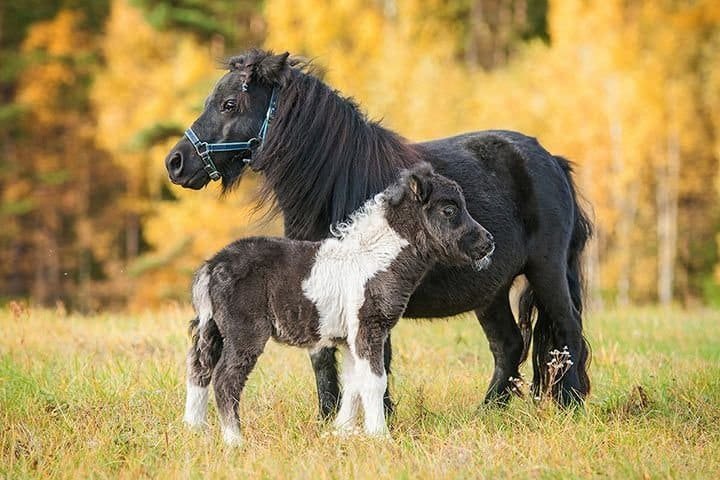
94 92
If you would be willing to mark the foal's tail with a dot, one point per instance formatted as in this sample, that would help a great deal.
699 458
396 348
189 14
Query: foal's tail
542 334
207 343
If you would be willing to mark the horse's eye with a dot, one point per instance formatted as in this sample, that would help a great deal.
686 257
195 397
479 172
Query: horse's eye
449 211
229 104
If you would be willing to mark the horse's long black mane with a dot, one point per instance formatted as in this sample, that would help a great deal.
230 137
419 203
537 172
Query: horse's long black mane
322 157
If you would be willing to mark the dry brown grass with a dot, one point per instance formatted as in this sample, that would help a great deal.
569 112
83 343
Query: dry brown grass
102 397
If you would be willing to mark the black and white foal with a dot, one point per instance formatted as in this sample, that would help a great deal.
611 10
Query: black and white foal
348 291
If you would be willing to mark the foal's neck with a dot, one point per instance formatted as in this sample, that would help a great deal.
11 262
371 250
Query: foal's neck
367 232
369 238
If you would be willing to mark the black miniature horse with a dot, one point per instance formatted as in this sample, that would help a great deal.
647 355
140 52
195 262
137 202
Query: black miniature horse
322 158
346 291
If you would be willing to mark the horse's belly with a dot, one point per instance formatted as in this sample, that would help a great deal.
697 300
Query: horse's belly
450 291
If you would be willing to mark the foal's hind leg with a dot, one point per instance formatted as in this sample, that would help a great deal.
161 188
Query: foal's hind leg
201 360
558 326
231 373
506 345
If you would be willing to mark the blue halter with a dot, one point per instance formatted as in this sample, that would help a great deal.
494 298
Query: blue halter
204 149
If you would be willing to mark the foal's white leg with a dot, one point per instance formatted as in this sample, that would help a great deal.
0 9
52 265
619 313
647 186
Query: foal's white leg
346 417
231 431
196 405
372 389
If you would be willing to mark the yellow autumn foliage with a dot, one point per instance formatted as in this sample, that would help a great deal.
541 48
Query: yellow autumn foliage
629 91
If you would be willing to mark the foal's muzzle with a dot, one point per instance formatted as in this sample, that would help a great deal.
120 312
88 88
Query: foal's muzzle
485 259
479 245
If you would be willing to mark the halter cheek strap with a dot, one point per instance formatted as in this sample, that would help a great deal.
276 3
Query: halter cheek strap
204 149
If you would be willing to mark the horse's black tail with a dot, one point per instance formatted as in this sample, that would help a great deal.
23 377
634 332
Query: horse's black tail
542 335
525 314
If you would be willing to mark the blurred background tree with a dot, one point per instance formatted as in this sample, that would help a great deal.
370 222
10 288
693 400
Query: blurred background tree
94 94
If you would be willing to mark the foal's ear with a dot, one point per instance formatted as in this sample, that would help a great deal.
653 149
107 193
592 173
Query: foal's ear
271 68
419 182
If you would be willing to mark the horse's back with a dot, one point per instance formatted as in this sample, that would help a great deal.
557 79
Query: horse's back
491 151
507 171
514 188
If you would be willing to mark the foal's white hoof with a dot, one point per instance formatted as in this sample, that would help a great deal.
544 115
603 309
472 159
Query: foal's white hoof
383 436
345 431
194 424
232 437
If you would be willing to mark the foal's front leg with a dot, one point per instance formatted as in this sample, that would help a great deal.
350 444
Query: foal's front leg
373 383
347 415
363 381
371 378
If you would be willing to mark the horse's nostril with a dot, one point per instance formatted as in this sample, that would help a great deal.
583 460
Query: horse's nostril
175 163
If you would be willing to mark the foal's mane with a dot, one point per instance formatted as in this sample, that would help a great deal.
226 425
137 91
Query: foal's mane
349 226
322 157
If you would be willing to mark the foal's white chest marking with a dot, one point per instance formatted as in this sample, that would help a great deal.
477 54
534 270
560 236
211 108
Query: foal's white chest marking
336 284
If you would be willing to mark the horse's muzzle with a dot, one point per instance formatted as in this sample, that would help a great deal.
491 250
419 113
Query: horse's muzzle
183 170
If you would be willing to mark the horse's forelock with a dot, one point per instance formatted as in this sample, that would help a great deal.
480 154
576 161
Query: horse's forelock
263 66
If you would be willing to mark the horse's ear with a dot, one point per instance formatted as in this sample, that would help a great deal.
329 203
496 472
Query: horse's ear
419 182
272 67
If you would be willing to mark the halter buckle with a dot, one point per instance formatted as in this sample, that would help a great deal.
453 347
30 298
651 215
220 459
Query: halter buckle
212 171
203 149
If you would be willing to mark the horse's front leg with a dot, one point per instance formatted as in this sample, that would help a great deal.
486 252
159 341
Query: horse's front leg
326 380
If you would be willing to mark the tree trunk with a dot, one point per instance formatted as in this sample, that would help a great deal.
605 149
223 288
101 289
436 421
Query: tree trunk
85 235
591 257
625 194
666 198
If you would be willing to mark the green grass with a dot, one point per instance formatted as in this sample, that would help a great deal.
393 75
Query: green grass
103 397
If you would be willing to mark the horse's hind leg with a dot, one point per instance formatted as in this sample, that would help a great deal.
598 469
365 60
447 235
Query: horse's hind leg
201 360
558 326
506 345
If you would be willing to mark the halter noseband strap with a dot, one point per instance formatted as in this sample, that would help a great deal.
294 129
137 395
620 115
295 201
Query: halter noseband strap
204 149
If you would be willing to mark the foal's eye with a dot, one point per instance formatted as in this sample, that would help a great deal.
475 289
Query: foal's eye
449 211
229 104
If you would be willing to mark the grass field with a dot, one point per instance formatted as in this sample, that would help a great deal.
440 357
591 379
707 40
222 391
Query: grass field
103 397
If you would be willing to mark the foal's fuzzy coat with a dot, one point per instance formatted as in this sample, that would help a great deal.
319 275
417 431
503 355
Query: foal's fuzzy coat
348 290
